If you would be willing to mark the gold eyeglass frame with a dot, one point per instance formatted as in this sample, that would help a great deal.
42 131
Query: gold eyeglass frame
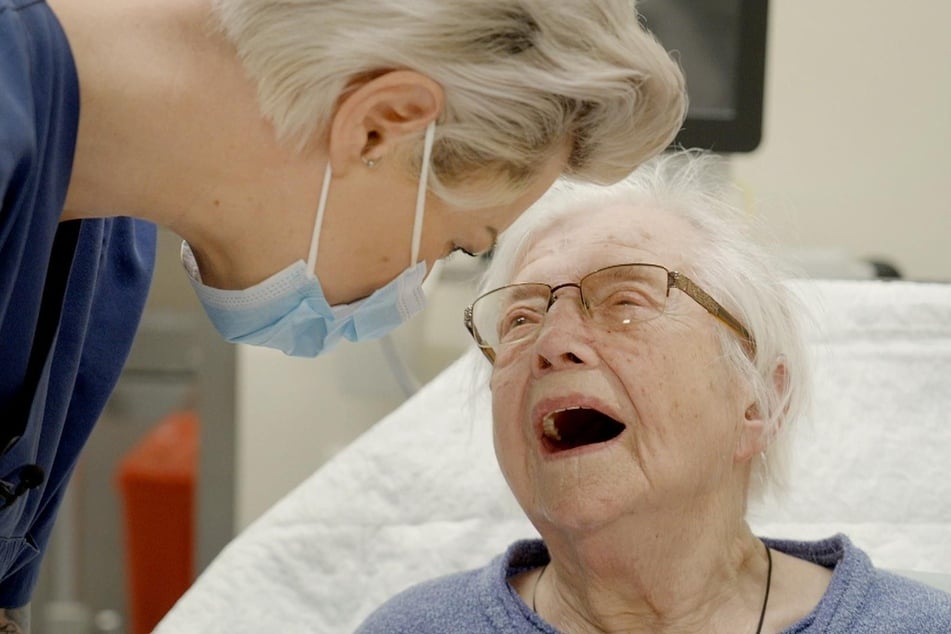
674 280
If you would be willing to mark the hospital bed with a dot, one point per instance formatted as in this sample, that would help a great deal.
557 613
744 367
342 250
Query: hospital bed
420 495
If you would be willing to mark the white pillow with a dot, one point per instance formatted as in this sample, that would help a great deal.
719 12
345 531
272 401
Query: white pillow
420 494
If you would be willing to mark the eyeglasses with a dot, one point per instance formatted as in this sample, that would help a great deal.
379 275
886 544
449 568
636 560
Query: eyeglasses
615 297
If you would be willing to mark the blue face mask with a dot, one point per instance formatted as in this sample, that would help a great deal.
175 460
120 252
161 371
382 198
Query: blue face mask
288 311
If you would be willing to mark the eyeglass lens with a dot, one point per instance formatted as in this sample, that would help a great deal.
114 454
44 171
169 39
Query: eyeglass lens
616 296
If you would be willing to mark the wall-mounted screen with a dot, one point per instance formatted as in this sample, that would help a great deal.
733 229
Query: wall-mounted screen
721 46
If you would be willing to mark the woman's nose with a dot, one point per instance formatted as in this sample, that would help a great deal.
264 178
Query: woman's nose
564 340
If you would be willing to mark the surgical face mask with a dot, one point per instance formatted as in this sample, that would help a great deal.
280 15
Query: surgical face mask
288 311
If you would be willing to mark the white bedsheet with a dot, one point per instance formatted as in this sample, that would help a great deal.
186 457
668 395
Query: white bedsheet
420 494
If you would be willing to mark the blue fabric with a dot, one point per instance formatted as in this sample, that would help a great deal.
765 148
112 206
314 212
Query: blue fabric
860 598
71 294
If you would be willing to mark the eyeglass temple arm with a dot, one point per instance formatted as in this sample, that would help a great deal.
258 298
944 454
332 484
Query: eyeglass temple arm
467 320
685 284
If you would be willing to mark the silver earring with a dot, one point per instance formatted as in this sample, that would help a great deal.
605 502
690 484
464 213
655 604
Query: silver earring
369 162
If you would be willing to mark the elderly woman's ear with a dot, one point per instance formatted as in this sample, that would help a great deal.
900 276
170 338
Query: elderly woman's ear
753 438
759 430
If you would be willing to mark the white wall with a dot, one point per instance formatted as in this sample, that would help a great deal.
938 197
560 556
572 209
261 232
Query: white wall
294 414
857 145
855 157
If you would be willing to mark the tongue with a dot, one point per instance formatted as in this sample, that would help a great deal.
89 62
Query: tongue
578 427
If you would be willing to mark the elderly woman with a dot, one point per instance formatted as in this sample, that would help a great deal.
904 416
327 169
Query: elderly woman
646 368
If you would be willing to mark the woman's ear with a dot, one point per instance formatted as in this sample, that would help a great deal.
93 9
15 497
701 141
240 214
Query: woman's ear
755 436
372 117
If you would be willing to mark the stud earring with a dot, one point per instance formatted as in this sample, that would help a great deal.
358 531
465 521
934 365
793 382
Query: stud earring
370 162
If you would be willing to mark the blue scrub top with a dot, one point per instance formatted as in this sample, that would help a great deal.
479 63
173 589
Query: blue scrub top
71 294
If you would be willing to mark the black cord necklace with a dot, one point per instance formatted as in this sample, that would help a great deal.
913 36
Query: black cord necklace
769 581
762 612
538 580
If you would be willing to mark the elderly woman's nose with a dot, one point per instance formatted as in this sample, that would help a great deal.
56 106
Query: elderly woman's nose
563 341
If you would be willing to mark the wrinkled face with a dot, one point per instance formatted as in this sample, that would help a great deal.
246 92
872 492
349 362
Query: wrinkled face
591 424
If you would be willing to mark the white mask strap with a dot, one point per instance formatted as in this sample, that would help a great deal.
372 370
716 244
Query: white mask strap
420 204
321 208
421 192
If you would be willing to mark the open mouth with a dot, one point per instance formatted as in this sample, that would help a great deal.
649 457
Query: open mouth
574 427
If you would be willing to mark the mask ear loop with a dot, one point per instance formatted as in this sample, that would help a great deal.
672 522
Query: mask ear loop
420 204
421 192
321 208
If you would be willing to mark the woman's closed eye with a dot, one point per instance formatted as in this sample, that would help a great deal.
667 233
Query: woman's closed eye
474 251
455 248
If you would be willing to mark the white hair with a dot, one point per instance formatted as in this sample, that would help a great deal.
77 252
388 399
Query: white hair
732 265
520 77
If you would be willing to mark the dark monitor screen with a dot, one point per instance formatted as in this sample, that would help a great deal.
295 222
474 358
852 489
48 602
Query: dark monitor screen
721 46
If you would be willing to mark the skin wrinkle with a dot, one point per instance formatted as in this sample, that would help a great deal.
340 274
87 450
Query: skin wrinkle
633 426
676 405
641 461
655 599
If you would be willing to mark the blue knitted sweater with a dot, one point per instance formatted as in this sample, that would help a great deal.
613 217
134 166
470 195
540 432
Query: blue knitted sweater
860 598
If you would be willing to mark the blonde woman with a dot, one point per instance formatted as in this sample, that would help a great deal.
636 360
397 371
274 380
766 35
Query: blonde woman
317 156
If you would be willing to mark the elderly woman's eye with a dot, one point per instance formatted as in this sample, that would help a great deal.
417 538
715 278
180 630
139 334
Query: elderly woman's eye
517 323
626 307
626 298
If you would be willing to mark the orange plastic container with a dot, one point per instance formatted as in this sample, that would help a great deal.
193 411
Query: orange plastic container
157 480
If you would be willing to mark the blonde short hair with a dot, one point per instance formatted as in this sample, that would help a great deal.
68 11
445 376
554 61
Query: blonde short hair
520 77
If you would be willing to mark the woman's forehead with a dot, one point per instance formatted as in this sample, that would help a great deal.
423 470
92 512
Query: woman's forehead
587 239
